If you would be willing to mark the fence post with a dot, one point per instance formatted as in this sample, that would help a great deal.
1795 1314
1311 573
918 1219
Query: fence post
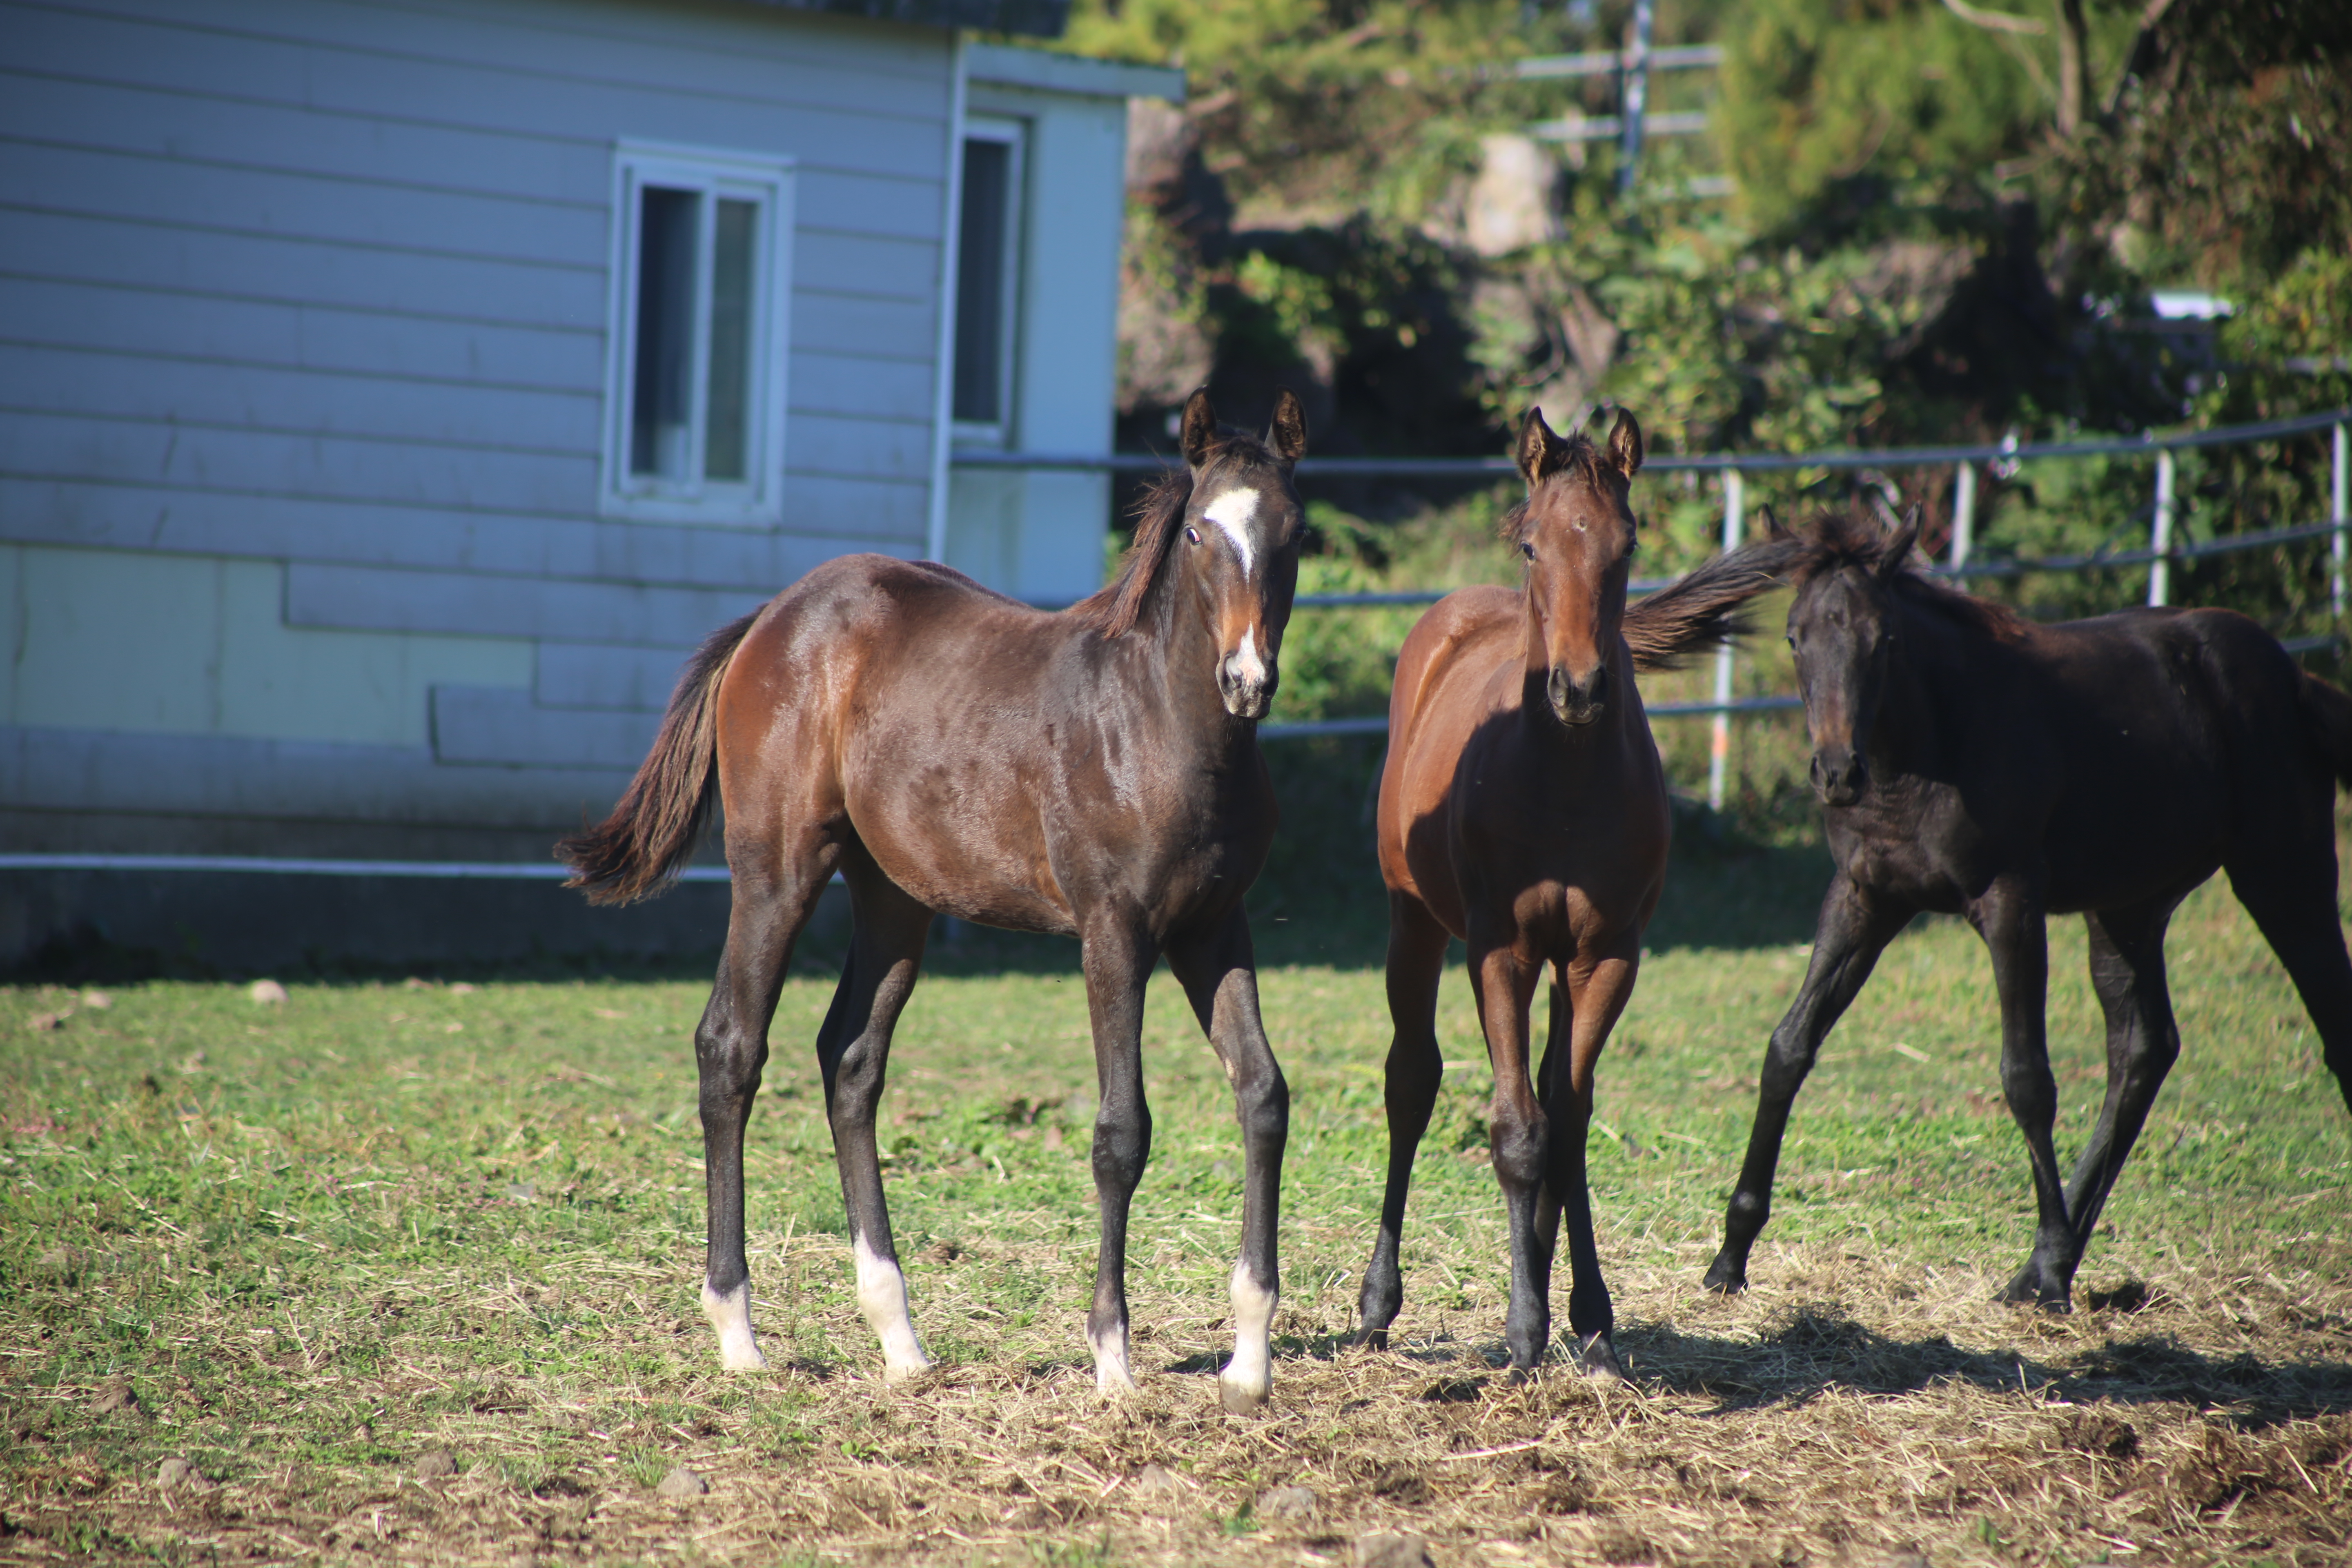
2159 571
1718 756
1964 513
1634 97
2340 504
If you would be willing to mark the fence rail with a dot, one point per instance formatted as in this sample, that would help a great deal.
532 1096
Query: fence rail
2158 556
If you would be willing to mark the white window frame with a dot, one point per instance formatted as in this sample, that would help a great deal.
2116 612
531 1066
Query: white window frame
714 174
1014 134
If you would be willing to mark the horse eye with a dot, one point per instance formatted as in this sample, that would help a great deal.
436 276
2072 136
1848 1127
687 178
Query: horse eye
1193 534
1792 640
1527 550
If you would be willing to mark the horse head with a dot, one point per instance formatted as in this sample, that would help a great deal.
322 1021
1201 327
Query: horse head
1577 533
1239 541
1842 629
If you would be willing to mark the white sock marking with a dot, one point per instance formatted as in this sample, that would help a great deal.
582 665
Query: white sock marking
1231 511
882 1296
1250 1374
1112 1377
730 1314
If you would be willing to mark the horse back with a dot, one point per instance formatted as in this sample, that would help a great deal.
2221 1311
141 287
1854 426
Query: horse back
2177 733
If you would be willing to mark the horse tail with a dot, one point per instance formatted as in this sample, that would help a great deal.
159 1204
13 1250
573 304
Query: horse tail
2327 719
1704 607
659 819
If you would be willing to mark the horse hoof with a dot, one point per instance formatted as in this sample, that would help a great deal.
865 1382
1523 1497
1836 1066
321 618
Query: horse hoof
1725 1279
2030 1289
898 1373
1242 1399
1372 1339
1596 1358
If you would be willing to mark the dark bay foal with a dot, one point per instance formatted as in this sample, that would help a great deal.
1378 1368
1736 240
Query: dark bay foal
1971 763
1093 774
1523 809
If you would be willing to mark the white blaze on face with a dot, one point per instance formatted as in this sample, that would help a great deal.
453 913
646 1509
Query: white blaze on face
1112 1377
1233 513
882 1296
1248 1378
1247 664
730 1314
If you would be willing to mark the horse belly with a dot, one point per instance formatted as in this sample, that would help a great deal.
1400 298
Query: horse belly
2145 821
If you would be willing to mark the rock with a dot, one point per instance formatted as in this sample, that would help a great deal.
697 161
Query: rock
266 992
1286 1502
435 1464
683 1483
176 1472
1510 203
1158 1480
97 1001
41 1023
463 988
114 1396
1387 1551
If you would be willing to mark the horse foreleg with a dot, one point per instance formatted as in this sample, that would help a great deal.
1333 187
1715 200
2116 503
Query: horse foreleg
1220 977
1417 965
1848 937
854 1054
731 1048
1519 1135
2008 916
1598 991
1117 960
2127 972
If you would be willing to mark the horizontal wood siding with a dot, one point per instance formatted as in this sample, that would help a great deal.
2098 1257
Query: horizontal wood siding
323 282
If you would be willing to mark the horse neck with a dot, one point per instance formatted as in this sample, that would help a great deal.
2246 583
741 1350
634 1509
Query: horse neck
1178 670
1907 733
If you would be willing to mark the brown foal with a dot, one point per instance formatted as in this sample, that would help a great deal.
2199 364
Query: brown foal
1093 774
1522 809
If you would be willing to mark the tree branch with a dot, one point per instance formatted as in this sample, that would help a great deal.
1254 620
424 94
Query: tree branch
1999 21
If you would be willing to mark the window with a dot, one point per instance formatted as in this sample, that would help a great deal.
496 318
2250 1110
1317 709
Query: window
988 280
695 384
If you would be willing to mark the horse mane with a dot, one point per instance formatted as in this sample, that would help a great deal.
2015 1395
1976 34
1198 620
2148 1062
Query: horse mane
1838 540
1113 609
1577 454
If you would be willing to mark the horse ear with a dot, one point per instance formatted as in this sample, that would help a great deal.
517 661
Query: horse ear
1200 429
1774 529
1899 543
1625 444
1537 454
1287 435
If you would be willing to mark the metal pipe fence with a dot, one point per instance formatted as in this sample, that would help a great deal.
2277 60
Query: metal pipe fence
2162 550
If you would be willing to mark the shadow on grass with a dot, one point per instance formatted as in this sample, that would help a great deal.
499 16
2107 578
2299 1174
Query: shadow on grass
1816 1350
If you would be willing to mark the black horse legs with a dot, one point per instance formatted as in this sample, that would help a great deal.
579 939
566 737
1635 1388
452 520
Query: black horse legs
1117 960
2143 1042
1416 964
2008 917
731 1048
1219 978
2300 923
853 1052
1848 937
1586 1003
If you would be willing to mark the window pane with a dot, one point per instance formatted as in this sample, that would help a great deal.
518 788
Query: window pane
980 281
661 401
728 399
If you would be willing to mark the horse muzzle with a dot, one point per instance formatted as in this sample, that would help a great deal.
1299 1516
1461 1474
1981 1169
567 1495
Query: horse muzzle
1246 682
1577 702
1839 775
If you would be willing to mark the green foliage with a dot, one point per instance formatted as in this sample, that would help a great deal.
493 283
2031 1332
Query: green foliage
1817 94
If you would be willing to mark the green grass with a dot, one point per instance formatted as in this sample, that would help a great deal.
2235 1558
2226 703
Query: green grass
318 1238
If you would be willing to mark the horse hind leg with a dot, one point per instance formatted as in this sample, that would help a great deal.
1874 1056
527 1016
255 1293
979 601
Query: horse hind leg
2126 961
1417 965
771 906
854 1054
2295 905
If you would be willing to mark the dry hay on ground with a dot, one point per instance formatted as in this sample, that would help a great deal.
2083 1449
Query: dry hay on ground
1843 1412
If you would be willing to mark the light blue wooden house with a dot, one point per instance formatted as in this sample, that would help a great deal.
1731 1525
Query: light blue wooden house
393 391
